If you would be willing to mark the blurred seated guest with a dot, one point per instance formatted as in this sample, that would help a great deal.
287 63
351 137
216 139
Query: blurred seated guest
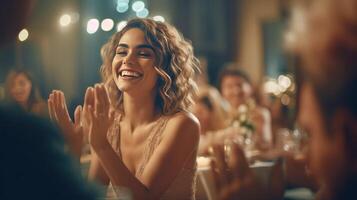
209 112
252 119
34 164
281 107
21 90
204 87
328 98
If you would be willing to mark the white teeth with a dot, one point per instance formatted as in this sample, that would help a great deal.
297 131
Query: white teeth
130 73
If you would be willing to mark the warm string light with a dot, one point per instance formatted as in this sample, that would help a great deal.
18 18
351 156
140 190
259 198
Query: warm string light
121 25
92 25
107 24
65 20
23 35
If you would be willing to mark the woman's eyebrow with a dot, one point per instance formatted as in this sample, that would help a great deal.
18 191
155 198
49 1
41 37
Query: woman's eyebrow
140 46
123 45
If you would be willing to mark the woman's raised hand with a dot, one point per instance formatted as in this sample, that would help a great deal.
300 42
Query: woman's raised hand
99 114
72 131
232 175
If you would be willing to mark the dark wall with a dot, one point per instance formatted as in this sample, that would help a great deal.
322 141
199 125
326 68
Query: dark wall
211 25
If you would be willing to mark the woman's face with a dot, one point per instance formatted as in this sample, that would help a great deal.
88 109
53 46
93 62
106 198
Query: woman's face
235 90
21 88
133 63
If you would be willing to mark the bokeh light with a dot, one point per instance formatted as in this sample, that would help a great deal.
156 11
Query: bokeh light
284 81
121 25
23 35
159 18
122 7
142 13
107 24
65 20
138 6
92 26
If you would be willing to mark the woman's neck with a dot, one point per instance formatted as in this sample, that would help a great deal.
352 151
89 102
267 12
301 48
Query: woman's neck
139 110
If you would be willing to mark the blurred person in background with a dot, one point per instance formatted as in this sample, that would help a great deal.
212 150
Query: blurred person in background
210 113
236 87
142 136
34 161
327 48
327 110
204 87
34 164
21 90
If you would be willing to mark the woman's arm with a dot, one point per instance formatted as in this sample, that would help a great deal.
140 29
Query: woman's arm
96 171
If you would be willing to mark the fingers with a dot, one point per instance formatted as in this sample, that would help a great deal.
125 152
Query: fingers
238 162
89 98
216 176
88 101
51 108
60 106
57 103
58 109
63 105
77 116
220 168
227 171
98 105
102 104
91 113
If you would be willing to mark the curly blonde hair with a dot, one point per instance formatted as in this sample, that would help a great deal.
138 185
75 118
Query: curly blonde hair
175 65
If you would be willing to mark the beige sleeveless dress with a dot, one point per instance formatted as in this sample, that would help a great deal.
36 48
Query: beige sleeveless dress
182 187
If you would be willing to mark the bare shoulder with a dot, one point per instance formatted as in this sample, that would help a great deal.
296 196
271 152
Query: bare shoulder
184 119
184 124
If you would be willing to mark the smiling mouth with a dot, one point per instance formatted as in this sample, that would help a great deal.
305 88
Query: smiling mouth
129 74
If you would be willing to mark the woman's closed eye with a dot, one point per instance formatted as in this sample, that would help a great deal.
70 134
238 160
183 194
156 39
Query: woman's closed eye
144 54
121 52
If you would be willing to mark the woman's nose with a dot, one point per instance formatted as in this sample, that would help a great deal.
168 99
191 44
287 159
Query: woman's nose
129 59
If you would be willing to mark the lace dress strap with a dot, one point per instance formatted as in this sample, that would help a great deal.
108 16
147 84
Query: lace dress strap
152 142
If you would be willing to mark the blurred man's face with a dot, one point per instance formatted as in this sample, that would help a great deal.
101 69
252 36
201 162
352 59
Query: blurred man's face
326 154
235 90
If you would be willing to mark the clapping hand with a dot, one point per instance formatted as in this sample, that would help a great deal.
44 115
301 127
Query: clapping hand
73 131
99 114
233 177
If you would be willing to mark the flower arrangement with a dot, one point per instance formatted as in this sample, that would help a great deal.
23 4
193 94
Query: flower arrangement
243 123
